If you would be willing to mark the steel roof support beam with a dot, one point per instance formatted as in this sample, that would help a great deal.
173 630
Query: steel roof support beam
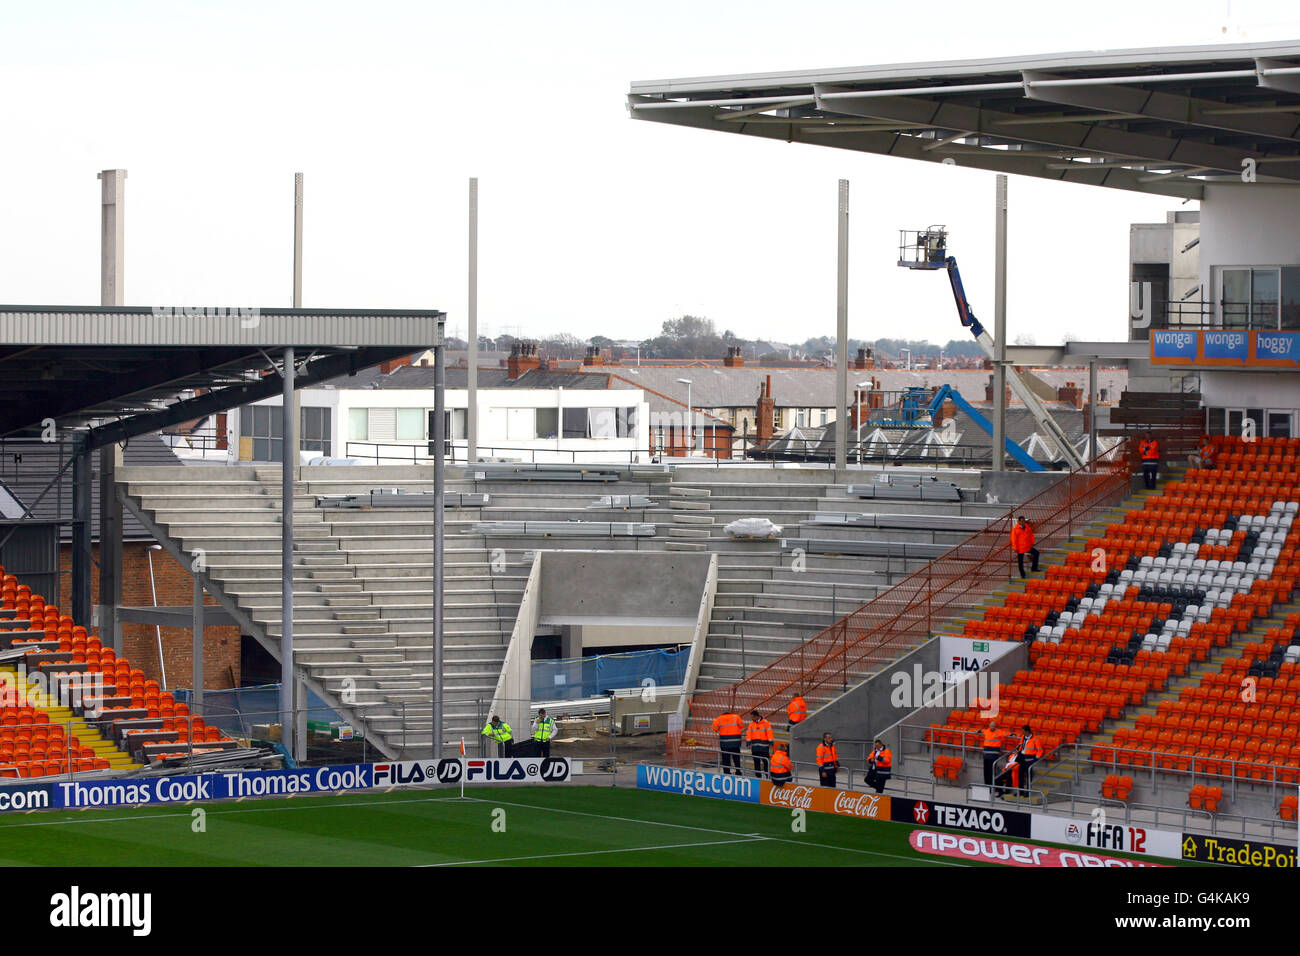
1112 142
1132 101
220 400
1019 162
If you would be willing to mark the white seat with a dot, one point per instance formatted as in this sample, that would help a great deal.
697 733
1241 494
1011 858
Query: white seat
1184 626
1149 642
1233 582
1162 645
1238 566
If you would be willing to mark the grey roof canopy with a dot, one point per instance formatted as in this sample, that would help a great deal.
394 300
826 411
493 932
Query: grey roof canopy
1162 121
121 369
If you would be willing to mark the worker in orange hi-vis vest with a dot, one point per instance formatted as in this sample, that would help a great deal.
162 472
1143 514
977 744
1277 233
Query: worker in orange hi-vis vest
1149 450
880 766
782 767
828 760
1030 753
797 710
759 736
1022 543
1009 778
729 728
993 738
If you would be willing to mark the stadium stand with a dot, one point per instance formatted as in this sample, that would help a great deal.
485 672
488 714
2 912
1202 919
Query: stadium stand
69 705
1188 592
363 585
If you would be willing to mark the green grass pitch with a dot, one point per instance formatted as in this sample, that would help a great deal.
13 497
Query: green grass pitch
543 826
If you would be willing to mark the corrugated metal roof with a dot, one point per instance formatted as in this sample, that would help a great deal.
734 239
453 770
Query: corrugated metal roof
419 376
167 326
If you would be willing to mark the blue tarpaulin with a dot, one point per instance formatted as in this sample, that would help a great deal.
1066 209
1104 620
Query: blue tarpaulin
593 676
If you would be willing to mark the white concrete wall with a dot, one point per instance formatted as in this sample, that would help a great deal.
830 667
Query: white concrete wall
514 689
1247 224
1225 389
492 405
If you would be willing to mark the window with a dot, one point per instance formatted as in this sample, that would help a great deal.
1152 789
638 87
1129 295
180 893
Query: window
1251 298
548 423
262 435
358 424
801 418
521 424
627 422
602 423
315 430
1271 422
410 424
575 423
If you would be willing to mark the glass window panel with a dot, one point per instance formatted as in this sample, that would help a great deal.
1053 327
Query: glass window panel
548 423
1264 295
1217 421
1256 415
1234 298
1234 422
1279 424
358 424
261 449
601 423
410 424
274 423
1289 317
458 427
575 423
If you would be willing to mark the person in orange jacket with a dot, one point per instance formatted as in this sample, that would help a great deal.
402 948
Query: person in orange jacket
1022 543
828 760
1030 753
993 739
759 736
729 728
880 766
1149 450
782 767
797 710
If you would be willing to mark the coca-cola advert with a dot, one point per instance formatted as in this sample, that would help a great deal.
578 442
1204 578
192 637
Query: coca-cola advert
868 806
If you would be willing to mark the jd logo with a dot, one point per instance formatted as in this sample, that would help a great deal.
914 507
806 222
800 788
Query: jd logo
555 768
449 770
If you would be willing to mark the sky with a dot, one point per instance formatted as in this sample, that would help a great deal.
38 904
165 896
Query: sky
590 222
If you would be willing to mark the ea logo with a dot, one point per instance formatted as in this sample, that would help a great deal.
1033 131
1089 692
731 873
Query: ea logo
1073 833
449 770
555 768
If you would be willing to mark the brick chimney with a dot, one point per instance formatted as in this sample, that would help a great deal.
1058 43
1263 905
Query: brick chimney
766 412
391 364
1070 393
593 356
523 359
864 360
734 359
945 411
876 399
988 393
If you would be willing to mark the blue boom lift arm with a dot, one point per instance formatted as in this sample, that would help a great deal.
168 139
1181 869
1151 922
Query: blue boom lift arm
971 412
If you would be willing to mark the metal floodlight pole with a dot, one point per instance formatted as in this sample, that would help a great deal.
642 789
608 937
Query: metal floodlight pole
471 411
162 662
287 709
862 386
1092 414
690 417
440 450
1000 329
842 331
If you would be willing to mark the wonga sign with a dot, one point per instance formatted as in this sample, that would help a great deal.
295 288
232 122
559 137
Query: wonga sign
868 806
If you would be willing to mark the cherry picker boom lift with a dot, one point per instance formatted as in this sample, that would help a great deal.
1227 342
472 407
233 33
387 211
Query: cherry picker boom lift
927 249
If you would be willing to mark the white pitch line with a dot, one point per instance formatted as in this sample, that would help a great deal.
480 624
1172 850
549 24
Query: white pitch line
682 826
553 856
